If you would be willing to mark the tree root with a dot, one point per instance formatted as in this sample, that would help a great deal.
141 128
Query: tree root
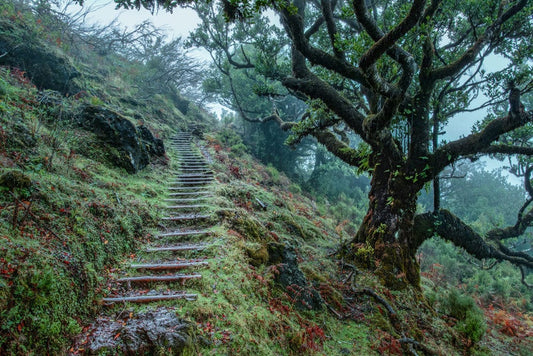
407 343
412 344
393 316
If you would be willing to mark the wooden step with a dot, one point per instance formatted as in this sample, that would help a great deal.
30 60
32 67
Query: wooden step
181 247
206 175
199 192
179 200
150 298
185 217
194 175
192 180
196 170
184 233
188 188
195 206
171 278
168 266
189 182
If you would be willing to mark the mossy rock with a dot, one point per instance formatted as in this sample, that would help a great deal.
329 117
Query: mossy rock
258 255
250 228
15 180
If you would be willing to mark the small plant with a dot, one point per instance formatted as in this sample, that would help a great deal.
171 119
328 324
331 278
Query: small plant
274 174
17 184
94 100
470 321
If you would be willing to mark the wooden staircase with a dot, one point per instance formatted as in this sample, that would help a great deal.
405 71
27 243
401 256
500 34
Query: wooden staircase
180 245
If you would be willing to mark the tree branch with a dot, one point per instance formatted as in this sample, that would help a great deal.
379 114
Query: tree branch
470 54
481 141
315 88
327 10
387 41
507 149
451 228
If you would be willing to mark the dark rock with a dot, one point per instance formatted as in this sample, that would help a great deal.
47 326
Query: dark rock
198 131
134 146
180 102
20 137
144 334
291 277
14 180
44 67
154 145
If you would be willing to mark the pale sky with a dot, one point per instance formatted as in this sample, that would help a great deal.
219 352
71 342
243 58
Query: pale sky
178 24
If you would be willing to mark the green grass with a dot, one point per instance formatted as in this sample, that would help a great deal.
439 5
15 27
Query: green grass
78 216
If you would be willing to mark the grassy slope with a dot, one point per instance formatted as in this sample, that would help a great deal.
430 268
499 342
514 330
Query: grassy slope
76 217
243 311
79 218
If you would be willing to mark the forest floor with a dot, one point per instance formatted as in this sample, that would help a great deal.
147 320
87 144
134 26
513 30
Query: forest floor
238 302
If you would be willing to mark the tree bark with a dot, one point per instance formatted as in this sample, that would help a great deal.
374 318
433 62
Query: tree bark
383 243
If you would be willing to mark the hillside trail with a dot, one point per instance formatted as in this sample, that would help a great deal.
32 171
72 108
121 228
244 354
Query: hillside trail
165 269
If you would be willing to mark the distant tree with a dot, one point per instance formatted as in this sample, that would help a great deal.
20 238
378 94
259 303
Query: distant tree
243 59
386 71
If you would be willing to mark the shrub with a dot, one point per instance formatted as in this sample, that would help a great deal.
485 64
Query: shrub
473 326
273 173
470 320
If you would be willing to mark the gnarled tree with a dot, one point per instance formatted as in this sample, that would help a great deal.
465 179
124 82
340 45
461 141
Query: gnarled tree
392 73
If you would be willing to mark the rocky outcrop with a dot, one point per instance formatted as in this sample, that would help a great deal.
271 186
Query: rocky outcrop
291 277
145 334
47 69
154 146
134 145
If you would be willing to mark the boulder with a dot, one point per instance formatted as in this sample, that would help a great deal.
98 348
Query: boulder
291 277
47 69
146 333
134 145
154 145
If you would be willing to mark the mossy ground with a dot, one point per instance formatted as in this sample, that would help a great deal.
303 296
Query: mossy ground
80 219
241 309
77 217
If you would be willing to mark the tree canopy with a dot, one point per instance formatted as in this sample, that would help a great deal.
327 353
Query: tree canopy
392 74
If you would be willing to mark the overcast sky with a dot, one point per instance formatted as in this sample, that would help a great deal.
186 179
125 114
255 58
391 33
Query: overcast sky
179 23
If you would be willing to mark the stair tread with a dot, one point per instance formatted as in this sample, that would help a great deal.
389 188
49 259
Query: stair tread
186 217
149 278
199 192
175 265
184 233
187 206
182 247
150 298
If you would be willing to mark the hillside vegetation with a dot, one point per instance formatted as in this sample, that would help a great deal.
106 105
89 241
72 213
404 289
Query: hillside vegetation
79 198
